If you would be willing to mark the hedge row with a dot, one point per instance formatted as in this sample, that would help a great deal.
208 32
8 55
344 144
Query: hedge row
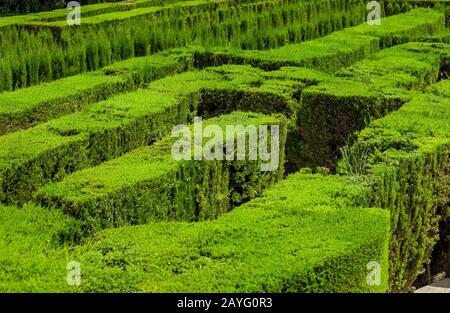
443 37
333 110
32 54
337 50
93 10
27 6
28 107
396 6
148 183
309 233
88 8
105 130
407 154
31 241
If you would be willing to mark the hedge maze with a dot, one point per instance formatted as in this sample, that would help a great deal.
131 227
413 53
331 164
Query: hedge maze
87 172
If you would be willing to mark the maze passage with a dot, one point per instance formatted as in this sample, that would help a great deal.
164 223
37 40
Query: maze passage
108 129
156 186
27 107
87 165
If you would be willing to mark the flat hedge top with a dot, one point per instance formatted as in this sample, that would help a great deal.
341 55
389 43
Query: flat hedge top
299 224
142 164
28 98
419 126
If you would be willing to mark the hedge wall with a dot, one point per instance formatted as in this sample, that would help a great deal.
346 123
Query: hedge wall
309 233
49 51
148 184
27 107
108 129
28 6
406 154
335 51
333 110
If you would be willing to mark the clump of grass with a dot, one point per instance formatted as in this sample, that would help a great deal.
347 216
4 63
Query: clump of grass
354 159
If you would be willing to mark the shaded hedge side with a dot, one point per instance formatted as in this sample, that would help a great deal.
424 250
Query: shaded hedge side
32 54
333 110
108 129
147 184
406 155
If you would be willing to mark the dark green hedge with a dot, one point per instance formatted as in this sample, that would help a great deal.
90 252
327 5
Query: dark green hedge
333 110
148 184
308 233
108 129
406 155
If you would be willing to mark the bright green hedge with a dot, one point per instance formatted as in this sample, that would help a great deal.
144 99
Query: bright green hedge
40 51
337 50
148 184
407 154
108 129
30 106
333 110
309 233
329 53
35 247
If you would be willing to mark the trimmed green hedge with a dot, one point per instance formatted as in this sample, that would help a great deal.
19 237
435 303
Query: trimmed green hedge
327 54
59 11
35 246
330 113
148 184
53 52
28 107
333 110
308 233
108 129
25 108
337 50
399 6
406 154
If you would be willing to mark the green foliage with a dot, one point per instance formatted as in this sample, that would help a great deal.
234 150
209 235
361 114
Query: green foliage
108 129
30 106
307 234
334 109
354 160
155 186
35 245
409 159
99 157
337 50
113 37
